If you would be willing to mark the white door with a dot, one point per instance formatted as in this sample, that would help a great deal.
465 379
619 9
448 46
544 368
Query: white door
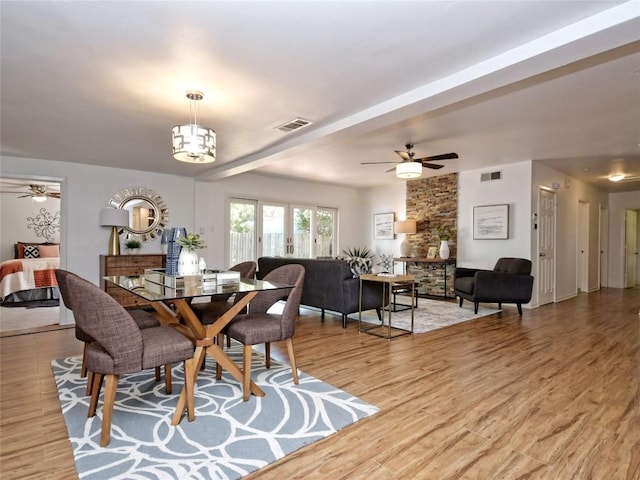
630 247
603 263
546 246
582 259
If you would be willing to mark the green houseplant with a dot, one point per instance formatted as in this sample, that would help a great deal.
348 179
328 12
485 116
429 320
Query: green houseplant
443 235
188 262
132 245
191 242
359 259
443 232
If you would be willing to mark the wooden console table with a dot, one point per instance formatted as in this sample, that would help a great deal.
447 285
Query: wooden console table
116 265
430 264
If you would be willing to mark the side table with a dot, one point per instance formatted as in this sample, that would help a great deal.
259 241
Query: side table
388 281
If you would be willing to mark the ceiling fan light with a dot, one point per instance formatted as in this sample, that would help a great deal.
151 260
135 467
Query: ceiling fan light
617 177
39 198
408 170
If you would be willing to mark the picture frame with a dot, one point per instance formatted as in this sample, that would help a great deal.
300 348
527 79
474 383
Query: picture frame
432 253
383 226
491 222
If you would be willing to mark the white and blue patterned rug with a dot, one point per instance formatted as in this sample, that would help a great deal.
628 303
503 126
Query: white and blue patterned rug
228 439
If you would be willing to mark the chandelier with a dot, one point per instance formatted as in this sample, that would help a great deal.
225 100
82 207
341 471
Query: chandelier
409 169
193 143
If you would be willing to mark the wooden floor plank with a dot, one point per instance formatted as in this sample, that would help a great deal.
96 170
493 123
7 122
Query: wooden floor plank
552 394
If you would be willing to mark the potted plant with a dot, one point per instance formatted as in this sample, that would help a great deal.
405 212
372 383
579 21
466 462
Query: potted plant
443 235
132 246
359 260
188 263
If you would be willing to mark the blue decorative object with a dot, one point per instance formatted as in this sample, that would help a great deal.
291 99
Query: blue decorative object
173 250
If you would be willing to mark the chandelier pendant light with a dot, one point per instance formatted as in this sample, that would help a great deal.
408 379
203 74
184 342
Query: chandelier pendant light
193 143
409 169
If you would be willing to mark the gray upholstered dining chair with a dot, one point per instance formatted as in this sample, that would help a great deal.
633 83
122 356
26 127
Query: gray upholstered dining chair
142 318
121 347
259 326
209 312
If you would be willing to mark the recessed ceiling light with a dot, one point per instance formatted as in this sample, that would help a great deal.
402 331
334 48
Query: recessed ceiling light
617 177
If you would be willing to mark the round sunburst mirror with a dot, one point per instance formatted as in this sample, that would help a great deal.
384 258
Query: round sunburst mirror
148 214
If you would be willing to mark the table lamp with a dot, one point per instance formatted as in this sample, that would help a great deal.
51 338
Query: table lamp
407 227
114 218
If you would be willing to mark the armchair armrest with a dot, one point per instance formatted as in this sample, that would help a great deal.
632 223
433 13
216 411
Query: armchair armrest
461 272
503 287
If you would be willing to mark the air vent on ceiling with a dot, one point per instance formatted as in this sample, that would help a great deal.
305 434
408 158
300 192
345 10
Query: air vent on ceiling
295 124
488 176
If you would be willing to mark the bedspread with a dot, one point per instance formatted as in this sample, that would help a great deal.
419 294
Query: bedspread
27 274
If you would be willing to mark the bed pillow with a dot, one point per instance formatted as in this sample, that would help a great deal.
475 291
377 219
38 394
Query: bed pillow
19 247
31 251
47 251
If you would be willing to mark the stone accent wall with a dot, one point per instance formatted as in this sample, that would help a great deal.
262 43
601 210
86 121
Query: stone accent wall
433 202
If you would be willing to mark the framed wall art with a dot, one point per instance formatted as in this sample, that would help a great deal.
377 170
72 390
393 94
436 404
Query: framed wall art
383 226
491 222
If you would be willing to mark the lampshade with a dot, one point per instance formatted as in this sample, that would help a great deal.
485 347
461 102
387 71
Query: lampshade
114 217
405 226
409 170
193 143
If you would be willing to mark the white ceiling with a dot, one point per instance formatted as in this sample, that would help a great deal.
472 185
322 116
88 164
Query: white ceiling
497 82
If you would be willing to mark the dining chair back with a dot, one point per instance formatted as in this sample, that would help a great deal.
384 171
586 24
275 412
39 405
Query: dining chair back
142 318
120 346
209 312
260 326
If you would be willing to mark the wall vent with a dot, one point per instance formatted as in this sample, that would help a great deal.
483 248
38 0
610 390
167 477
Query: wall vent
295 124
489 176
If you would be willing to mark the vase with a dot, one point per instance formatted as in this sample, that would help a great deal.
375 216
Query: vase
444 249
188 262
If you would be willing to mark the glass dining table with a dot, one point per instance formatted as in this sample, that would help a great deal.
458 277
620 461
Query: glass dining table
183 319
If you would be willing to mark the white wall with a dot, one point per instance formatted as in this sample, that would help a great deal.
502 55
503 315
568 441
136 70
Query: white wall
570 192
618 203
210 208
85 190
513 189
384 199
14 212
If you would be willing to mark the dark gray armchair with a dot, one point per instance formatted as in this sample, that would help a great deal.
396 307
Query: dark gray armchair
510 281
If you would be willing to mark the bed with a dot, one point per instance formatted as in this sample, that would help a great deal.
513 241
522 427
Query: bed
30 277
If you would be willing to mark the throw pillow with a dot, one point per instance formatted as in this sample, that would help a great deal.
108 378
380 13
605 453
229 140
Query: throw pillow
31 251
47 251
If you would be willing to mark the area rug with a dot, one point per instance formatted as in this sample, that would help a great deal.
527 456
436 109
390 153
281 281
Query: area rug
228 439
430 315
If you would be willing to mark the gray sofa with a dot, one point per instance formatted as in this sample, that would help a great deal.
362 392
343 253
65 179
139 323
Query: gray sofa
329 285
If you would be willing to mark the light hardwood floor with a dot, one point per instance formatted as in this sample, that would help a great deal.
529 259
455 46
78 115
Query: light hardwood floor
554 394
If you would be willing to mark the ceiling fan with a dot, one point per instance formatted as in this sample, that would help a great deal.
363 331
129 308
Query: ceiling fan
37 192
408 158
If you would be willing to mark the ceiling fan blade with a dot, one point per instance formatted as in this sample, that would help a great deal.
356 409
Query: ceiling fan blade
25 196
404 155
390 170
435 158
375 163
433 166
53 195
